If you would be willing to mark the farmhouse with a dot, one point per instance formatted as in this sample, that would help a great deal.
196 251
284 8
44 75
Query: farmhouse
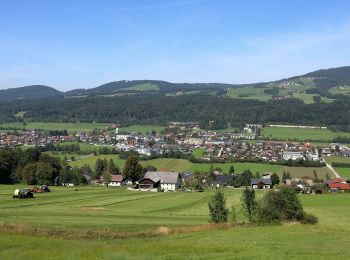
166 181
261 183
337 184
222 180
116 180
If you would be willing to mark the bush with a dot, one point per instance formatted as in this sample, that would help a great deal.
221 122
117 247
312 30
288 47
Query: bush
233 216
217 209
265 214
249 203
309 219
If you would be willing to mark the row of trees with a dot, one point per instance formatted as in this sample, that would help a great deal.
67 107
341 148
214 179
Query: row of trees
31 166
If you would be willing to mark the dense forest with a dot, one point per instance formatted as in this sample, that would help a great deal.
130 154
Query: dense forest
156 109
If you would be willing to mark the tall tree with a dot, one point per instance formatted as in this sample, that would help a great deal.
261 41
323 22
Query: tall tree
275 180
112 168
217 208
106 177
249 203
45 173
132 169
232 169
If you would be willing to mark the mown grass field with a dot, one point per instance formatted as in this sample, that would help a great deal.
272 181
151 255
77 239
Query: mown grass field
108 210
249 93
143 129
301 134
309 98
81 127
70 127
182 165
344 172
338 159
198 153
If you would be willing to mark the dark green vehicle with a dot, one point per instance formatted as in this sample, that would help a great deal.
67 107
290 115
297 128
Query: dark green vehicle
23 193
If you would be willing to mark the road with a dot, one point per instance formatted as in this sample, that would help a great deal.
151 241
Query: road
332 170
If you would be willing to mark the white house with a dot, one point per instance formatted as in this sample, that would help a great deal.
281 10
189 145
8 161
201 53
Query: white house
169 181
116 180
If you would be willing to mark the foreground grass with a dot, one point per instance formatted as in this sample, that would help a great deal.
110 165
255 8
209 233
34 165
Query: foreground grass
117 210
276 242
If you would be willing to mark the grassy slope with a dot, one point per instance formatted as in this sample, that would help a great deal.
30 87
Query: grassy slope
143 87
117 209
181 165
284 133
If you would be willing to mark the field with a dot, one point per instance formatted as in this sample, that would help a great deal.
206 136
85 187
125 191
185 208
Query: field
81 127
70 127
338 159
182 165
345 90
309 98
249 93
143 129
143 87
301 134
198 153
65 213
344 172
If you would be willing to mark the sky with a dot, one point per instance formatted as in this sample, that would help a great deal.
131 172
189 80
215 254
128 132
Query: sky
85 43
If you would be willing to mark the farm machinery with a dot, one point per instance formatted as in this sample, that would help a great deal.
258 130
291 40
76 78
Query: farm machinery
43 188
23 193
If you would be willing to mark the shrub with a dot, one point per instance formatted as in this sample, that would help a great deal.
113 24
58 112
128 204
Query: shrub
217 208
249 203
233 216
309 219
266 214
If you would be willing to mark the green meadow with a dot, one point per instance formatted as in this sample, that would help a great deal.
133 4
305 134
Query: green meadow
198 153
95 222
81 127
70 127
143 129
301 134
182 165
249 93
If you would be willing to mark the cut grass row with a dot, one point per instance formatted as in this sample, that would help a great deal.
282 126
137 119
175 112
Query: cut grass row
117 210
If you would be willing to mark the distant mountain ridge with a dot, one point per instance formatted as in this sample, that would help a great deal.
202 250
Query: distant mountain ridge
28 93
323 80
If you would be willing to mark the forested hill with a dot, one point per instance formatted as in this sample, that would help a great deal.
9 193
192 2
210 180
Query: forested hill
28 92
146 86
330 83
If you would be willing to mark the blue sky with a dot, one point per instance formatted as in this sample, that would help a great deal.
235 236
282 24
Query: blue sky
85 43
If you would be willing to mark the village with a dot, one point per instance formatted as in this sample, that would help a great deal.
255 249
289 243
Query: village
240 145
